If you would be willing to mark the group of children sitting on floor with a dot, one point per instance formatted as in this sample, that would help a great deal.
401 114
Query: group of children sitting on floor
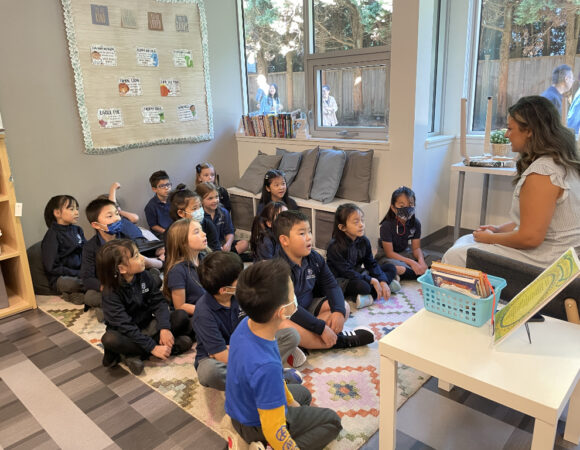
247 322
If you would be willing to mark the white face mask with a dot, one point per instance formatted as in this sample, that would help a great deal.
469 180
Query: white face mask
295 303
198 214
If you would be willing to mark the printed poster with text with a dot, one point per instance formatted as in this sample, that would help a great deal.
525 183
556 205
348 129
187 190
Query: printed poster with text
141 72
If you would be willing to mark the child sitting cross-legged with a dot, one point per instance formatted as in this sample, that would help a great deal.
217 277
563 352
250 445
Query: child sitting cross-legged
261 406
137 316
319 320
217 314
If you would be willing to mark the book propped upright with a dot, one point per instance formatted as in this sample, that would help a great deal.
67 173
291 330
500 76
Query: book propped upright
536 295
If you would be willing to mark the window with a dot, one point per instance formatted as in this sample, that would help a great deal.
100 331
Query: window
437 63
520 45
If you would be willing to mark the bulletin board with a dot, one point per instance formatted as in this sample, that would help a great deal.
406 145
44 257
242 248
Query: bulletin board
141 72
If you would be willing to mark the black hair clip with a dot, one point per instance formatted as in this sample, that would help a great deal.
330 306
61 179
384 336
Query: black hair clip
198 168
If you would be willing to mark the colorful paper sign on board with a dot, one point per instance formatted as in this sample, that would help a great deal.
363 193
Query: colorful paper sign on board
153 114
147 57
103 55
130 87
182 58
187 112
100 15
110 118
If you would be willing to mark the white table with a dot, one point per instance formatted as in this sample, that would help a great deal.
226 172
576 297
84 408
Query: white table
486 171
536 379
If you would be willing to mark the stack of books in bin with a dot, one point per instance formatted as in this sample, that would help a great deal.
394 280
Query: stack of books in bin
470 282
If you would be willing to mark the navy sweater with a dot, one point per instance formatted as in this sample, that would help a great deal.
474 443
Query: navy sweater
62 248
347 257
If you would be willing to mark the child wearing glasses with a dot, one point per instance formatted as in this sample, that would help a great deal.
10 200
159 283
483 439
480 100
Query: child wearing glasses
157 209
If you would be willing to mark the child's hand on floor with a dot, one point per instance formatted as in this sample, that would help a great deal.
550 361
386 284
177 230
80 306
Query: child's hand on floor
161 351
328 336
166 338
385 291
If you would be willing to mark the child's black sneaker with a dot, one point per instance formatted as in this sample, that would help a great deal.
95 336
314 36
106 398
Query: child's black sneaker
111 359
135 364
181 345
355 338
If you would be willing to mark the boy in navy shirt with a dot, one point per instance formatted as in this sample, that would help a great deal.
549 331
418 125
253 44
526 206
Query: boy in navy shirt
320 321
157 209
217 314
262 408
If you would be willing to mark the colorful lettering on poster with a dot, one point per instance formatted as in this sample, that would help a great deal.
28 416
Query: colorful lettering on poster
155 21
147 57
182 58
128 18
100 15
153 114
130 87
170 87
103 55
110 117
181 24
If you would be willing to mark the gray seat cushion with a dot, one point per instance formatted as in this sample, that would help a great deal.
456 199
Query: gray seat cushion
328 175
253 178
356 177
290 164
303 182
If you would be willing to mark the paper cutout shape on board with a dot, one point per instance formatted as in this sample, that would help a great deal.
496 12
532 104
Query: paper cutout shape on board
147 57
153 114
100 15
103 55
170 87
181 24
130 87
182 58
110 118
185 113
128 18
155 21
536 294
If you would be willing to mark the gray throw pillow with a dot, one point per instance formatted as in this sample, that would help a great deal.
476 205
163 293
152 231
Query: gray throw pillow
303 182
253 178
290 164
356 177
328 174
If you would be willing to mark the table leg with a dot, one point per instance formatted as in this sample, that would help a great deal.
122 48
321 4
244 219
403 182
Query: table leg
572 430
444 385
458 205
484 199
544 435
388 404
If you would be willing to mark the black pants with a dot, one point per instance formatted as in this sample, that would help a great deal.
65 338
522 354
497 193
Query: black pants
311 427
116 342
361 287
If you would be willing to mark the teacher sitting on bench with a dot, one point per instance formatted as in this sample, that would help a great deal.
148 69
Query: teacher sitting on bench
546 201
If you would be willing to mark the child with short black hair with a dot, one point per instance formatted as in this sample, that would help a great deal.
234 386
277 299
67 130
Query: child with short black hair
263 243
184 203
62 247
350 250
221 218
320 321
157 209
274 190
262 408
137 316
205 172
217 313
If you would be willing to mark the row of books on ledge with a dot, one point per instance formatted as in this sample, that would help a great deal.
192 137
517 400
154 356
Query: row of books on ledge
470 282
271 125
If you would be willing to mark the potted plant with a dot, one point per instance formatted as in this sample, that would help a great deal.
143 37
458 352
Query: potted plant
500 145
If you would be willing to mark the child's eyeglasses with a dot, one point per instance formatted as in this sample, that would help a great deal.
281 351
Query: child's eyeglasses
164 186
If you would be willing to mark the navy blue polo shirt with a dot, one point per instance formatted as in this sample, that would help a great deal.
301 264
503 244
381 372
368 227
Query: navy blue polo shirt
157 213
213 325
223 223
184 276
399 234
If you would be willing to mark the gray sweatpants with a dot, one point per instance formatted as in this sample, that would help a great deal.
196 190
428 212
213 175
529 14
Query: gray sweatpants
212 373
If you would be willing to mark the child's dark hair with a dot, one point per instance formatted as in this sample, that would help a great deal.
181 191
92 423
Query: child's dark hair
403 190
156 177
270 176
263 288
109 256
285 221
219 269
205 188
206 165
260 226
57 202
342 214
178 200
94 208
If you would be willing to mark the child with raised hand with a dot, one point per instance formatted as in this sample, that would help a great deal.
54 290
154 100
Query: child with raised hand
263 243
221 218
184 203
398 227
62 247
184 243
131 217
205 173
349 251
137 316
261 406
217 314
274 190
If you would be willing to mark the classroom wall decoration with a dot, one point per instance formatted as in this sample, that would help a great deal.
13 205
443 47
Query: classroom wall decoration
141 72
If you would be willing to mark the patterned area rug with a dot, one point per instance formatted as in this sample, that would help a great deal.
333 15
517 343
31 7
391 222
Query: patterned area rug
344 380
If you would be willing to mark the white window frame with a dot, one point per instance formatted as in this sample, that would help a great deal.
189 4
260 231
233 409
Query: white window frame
436 103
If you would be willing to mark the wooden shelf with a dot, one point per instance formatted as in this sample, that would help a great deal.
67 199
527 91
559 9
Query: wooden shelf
8 252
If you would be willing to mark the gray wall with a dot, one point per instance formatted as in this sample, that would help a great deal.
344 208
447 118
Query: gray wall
43 132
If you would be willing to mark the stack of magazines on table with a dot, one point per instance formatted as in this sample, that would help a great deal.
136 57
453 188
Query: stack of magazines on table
470 282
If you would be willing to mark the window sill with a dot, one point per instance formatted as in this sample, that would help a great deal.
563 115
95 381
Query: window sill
438 141
363 144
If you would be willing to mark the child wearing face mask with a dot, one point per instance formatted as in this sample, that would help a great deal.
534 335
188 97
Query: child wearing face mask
184 204
398 227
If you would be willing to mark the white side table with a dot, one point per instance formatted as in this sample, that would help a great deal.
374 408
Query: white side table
537 379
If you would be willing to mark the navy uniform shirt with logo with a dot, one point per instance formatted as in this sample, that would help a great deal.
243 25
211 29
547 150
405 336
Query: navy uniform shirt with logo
157 213
184 276
223 222
62 248
400 233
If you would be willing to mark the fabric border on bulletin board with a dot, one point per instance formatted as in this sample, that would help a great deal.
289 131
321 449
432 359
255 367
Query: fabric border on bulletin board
98 88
